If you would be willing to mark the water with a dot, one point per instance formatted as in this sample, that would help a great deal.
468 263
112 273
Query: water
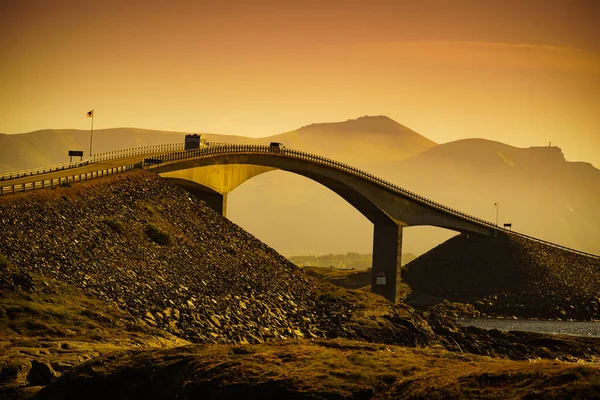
575 328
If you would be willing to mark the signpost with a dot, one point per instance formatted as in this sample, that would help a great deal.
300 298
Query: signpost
75 153
508 225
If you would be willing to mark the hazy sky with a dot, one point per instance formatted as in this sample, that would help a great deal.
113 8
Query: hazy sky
523 72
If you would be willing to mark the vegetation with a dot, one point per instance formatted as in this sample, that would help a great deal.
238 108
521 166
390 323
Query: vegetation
157 235
338 369
346 261
115 224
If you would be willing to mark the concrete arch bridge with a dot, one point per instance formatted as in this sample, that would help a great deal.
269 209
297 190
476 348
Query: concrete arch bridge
213 171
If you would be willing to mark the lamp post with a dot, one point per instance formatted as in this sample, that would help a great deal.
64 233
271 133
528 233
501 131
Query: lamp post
497 205
90 114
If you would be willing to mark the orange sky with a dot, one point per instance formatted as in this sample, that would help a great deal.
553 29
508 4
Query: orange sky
521 72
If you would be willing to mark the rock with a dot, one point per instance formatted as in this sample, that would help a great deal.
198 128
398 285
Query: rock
215 321
14 372
41 373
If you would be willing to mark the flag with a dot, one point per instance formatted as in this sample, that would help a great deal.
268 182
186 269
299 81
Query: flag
90 114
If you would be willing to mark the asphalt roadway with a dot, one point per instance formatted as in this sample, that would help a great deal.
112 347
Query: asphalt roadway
84 169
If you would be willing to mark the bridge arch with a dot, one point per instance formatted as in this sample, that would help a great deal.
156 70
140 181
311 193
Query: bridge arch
216 171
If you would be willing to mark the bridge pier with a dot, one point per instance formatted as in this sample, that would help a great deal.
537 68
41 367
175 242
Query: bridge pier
387 257
217 202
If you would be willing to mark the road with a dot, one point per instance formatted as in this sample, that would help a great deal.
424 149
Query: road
97 166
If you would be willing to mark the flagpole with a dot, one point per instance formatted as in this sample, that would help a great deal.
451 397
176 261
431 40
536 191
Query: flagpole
91 133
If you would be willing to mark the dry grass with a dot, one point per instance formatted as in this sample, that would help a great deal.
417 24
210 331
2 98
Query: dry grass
324 369
349 279
57 311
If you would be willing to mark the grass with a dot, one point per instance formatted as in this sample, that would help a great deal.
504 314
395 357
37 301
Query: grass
316 369
4 263
349 279
58 310
115 224
157 235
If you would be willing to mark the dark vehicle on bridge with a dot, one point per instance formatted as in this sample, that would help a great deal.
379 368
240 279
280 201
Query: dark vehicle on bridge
192 142
276 147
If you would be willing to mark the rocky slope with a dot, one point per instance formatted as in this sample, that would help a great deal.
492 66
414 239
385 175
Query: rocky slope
130 262
48 327
508 276
154 251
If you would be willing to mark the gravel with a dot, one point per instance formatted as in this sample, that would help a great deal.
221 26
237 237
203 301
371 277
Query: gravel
209 282
509 276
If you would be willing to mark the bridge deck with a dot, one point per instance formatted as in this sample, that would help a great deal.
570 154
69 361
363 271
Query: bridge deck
171 156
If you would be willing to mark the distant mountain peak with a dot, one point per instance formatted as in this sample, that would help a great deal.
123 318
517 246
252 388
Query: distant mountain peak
358 122
368 124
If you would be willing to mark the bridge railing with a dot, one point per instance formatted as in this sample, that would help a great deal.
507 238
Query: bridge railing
67 180
174 152
223 148
155 149
110 155
6 176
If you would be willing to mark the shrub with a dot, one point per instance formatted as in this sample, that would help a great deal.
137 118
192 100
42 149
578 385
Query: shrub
157 235
3 262
115 224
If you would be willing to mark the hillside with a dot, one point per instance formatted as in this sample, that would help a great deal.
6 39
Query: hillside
321 370
539 192
149 248
380 138
359 142
507 276
109 269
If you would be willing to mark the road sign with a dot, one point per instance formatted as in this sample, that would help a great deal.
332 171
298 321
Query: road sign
75 153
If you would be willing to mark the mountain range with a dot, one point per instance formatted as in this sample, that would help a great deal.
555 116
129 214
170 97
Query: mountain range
535 189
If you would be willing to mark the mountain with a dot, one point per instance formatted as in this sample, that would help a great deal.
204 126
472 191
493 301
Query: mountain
361 142
51 146
314 220
538 191
377 138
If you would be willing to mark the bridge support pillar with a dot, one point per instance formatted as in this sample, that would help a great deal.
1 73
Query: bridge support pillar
387 257
216 201
220 205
